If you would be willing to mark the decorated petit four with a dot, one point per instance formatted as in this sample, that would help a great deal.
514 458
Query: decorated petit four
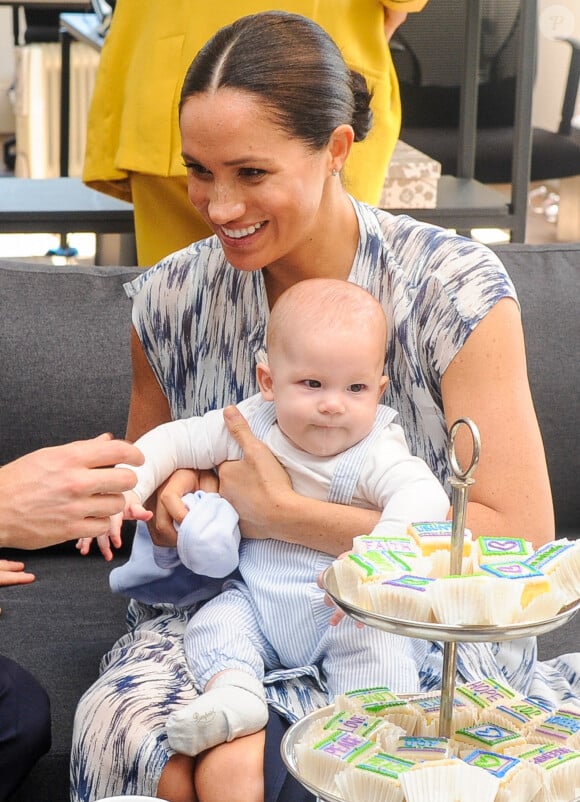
484 694
321 762
378 777
519 714
419 748
429 707
562 726
499 549
518 782
485 735
559 770
354 570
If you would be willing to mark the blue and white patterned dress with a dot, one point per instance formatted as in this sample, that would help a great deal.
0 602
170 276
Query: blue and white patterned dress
202 323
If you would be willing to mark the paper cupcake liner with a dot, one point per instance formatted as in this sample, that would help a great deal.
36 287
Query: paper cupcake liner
544 606
317 769
355 784
563 783
410 605
449 780
440 563
566 576
404 717
522 786
476 600
347 581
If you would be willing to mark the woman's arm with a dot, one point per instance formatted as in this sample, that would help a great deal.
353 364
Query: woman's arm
487 381
148 407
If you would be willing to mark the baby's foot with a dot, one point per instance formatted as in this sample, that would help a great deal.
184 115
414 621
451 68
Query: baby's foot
221 714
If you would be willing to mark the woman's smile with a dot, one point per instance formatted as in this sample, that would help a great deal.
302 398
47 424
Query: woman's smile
239 233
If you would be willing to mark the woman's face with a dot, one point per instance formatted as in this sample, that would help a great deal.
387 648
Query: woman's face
259 190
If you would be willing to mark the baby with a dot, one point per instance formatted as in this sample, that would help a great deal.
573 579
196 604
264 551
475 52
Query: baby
318 411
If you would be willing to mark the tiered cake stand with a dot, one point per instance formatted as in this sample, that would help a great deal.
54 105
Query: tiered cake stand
450 636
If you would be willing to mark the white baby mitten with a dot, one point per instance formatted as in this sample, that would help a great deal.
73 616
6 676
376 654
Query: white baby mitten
208 538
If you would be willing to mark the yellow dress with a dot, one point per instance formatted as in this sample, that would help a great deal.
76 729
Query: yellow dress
133 142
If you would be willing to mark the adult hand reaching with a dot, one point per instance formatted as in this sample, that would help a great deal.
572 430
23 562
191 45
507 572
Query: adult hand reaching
64 492
257 485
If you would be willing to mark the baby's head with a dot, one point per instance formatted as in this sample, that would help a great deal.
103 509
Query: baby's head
326 344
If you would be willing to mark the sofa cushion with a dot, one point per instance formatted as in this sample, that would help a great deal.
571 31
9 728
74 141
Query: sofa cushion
67 328
547 279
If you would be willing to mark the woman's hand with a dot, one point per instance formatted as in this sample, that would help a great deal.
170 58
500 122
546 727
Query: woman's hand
338 613
13 573
256 485
260 490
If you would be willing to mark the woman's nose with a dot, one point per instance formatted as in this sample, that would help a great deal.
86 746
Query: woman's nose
224 206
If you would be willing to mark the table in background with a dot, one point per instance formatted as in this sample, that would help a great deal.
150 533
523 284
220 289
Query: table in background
64 206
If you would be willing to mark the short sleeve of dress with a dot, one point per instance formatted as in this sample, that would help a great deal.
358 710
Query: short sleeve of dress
161 299
459 284
439 287
200 323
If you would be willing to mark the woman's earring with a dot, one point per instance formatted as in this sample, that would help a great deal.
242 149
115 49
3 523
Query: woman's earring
334 172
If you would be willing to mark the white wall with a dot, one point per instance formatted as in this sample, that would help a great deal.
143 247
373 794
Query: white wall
6 69
556 19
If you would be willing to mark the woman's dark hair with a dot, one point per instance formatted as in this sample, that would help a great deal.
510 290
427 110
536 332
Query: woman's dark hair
293 66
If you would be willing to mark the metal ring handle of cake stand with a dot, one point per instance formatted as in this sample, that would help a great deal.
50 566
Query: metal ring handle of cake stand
460 482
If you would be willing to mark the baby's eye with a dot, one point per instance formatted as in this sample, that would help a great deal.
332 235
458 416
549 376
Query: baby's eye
314 384
357 388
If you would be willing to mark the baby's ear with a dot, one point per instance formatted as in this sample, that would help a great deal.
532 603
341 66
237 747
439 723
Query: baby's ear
383 385
264 378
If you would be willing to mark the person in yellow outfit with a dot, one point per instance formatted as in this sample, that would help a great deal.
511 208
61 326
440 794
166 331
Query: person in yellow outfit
133 146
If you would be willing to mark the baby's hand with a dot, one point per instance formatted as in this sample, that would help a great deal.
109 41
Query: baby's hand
134 510
338 613
112 538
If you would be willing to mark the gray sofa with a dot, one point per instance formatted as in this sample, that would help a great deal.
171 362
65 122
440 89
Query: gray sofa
64 358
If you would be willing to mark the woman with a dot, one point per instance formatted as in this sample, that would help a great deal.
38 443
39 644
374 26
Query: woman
133 146
268 115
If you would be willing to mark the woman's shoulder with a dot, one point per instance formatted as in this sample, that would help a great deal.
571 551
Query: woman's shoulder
411 255
431 247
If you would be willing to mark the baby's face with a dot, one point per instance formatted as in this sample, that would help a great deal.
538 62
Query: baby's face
326 389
